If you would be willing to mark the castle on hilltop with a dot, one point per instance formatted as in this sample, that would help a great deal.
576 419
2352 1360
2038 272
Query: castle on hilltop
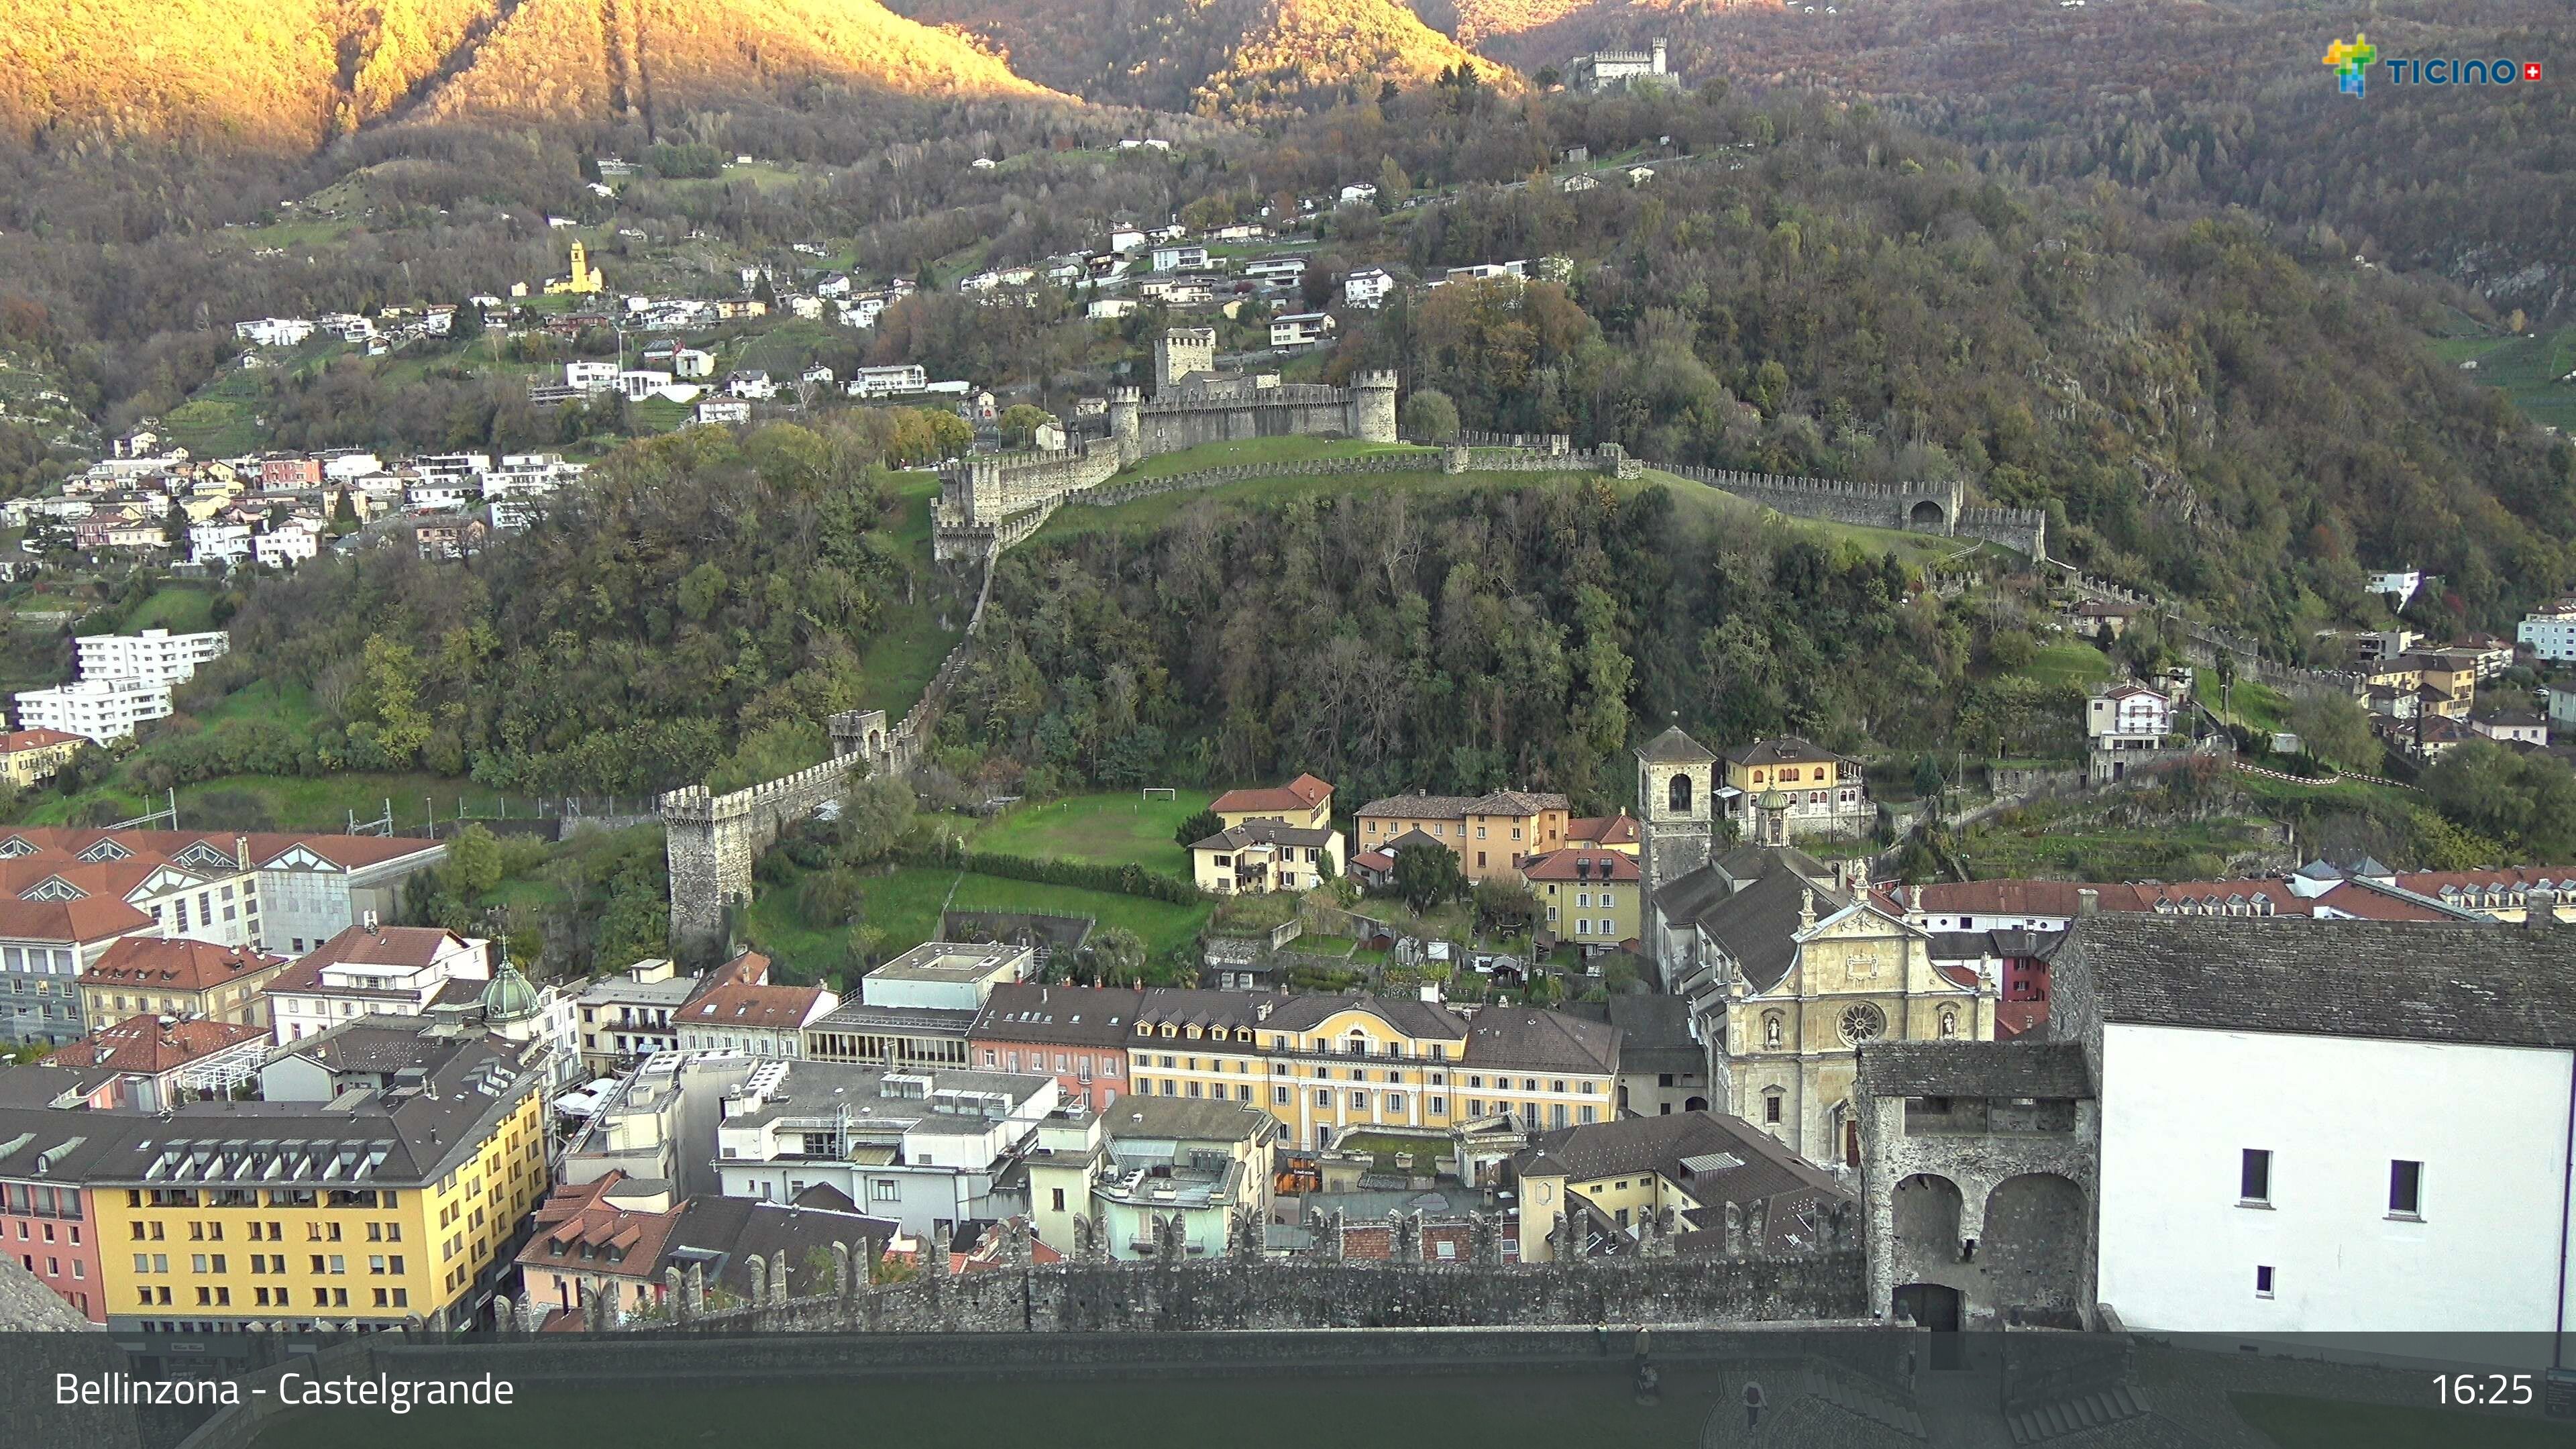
987 500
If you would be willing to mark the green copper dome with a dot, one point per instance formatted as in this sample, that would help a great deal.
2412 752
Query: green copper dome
510 997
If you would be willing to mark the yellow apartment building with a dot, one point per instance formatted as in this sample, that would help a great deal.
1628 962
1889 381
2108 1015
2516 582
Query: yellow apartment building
1324 1066
1491 833
30 757
1585 895
402 1203
1304 802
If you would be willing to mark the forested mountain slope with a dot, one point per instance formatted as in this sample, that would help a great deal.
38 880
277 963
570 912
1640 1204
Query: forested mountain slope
2198 102
1215 57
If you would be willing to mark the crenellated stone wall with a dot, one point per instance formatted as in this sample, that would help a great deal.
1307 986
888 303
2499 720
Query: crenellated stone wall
712 841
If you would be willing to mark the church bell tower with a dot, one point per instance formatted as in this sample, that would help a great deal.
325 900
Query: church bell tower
1676 783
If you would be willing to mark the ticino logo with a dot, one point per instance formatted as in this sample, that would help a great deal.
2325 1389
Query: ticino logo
2352 60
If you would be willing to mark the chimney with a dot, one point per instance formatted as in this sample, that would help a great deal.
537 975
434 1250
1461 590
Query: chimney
368 921
2088 902
2540 911
241 851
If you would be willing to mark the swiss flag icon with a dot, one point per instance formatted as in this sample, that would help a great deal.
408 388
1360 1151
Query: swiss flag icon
2531 70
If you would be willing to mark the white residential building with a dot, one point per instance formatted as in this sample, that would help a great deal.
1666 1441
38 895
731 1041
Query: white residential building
156 656
922 1148
376 970
1359 193
2551 632
692 362
639 383
214 542
1276 268
1180 259
1367 288
1125 239
1110 309
2402 583
2306 1126
95 709
718 413
1301 329
888 381
590 376
287 546
274 331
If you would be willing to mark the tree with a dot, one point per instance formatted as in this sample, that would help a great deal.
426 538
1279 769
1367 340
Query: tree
1548 78
1505 907
875 816
1197 828
1430 416
1117 956
1426 875
2334 729
473 865
1392 184
1020 422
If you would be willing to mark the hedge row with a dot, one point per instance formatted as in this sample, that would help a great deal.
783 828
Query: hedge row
1126 880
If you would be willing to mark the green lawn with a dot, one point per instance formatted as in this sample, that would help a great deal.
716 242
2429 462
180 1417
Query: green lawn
270 802
911 641
2070 661
1113 827
1290 449
905 904
2529 369
179 609
2256 705
2301 1423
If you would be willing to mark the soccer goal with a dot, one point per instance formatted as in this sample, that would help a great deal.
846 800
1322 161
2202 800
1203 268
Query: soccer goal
1159 792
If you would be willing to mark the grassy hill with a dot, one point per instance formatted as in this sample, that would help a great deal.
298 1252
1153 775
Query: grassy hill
1214 57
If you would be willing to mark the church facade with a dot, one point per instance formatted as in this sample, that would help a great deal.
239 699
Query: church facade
1787 965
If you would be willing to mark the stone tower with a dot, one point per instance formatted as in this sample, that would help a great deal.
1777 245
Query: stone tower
1126 408
1676 783
1181 351
1373 407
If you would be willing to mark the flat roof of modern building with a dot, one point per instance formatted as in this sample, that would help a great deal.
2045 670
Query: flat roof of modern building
951 961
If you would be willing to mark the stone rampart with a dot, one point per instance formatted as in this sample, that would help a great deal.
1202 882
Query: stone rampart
1916 507
1231 1295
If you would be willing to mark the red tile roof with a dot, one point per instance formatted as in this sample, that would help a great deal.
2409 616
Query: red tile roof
18 740
92 918
147 1046
1299 795
1619 829
383 946
751 1006
182 964
1582 863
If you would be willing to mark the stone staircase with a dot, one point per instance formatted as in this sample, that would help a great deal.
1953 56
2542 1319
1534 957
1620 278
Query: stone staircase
2040 1423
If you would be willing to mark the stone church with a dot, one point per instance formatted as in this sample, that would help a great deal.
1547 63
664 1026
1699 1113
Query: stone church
1788 965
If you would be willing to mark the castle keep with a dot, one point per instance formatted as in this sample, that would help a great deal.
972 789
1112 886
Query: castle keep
989 503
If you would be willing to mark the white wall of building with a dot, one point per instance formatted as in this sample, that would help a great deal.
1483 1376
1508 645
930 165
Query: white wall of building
2179 1253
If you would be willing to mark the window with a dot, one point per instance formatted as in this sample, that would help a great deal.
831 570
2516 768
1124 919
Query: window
884 1189
2263 1281
1439 1106
2254 1179
2406 1189
1323 1096
1771 1106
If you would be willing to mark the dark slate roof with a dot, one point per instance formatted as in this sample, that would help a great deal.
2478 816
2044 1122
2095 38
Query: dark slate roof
1974 1069
724 1233
1748 861
1783 750
1975 945
1715 1158
1525 1038
1673 747
1263 832
1754 923
2396 980
1410 1015
1654 1031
